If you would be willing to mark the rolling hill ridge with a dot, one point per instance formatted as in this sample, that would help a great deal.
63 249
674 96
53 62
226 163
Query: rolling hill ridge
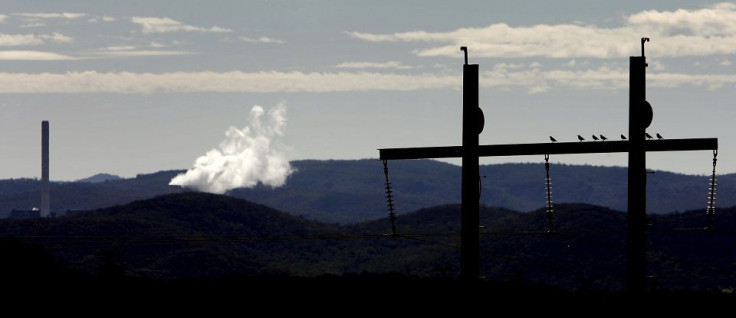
351 191
206 236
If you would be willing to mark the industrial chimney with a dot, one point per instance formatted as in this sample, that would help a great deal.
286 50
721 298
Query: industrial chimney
45 204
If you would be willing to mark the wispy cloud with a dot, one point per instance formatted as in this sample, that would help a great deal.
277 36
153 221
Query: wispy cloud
120 48
32 39
262 82
716 20
361 65
263 39
33 56
19 39
706 31
39 19
146 53
166 25
131 51
56 37
2 18
533 80
63 15
149 53
32 25
96 19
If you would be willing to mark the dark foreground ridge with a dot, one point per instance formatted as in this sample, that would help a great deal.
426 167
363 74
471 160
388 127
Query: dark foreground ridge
371 292
196 248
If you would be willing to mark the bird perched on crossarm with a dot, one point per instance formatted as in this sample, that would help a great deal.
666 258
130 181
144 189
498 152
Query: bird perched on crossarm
595 138
603 138
580 138
552 139
648 135
623 137
659 136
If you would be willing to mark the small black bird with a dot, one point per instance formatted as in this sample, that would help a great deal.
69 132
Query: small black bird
623 137
648 135
552 138
595 138
603 138
580 138
659 136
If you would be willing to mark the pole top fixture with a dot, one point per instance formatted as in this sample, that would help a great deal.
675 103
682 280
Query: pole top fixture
642 45
465 49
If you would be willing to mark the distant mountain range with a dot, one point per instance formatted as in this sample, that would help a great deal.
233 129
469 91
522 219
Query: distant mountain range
206 236
350 191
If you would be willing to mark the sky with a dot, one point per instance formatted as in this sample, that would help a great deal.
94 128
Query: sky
133 87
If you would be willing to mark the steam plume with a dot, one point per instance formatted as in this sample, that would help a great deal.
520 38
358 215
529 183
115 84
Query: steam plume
245 158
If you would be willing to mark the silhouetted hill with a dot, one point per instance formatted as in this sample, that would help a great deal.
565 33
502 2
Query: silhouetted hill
159 237
206 236
100 177
350 191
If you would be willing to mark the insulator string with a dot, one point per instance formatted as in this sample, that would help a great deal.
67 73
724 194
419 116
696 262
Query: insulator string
711 207
389 199
549 207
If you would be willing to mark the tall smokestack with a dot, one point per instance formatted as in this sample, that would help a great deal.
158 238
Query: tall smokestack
45 204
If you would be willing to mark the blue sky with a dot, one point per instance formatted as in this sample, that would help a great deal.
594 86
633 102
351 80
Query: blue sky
141 86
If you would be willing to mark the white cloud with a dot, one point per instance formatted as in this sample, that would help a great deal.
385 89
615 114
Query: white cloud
33 25
32 39
656 65
537 81
32 56
56 38
132 51
2 18
577 63
19 39
707 31
166 25
262 82
64 15
120 48
504 66
105 18
717 20
534 80
360 65
263 39
725 63
157 45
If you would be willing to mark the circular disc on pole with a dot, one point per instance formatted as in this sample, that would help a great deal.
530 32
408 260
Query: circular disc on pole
646 114
481 120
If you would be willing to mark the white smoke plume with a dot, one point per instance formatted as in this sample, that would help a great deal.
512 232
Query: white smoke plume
245 158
